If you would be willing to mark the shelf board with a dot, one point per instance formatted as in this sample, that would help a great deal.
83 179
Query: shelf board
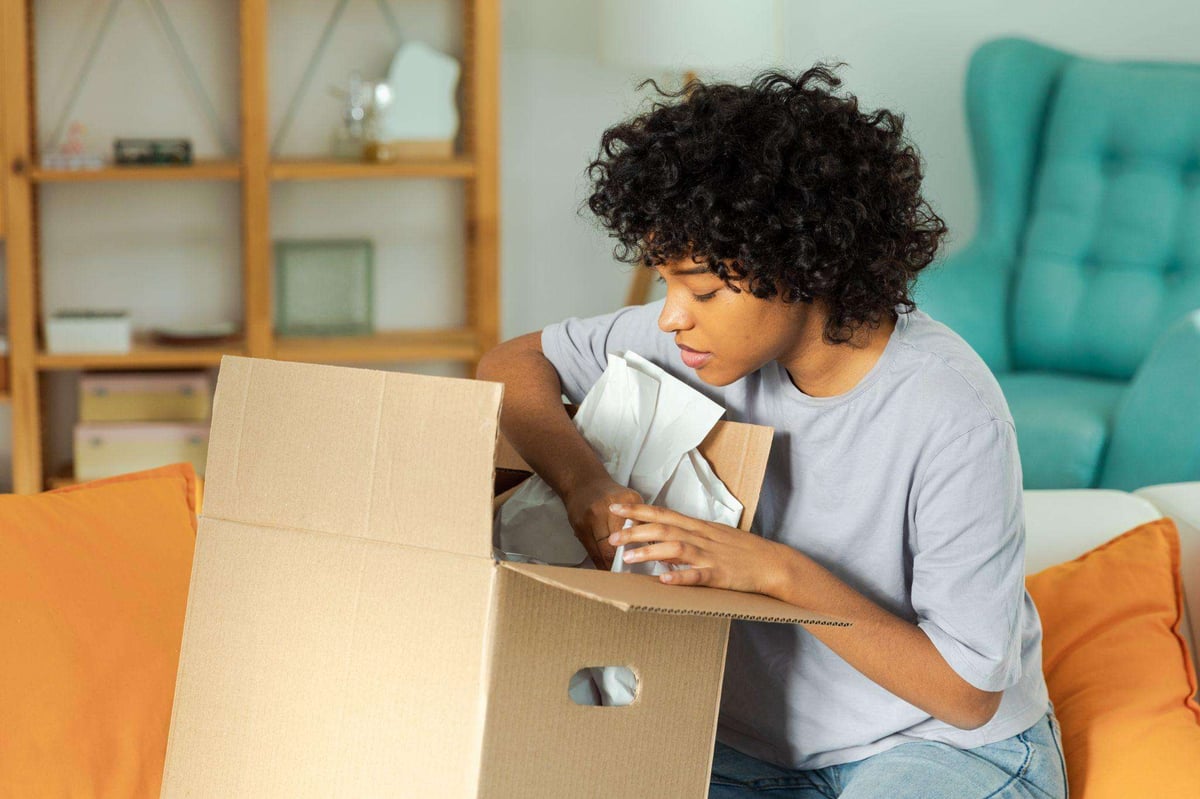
60 481
315 169
201 170
144 354
451 344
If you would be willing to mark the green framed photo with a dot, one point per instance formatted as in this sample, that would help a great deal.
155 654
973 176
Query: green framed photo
324 287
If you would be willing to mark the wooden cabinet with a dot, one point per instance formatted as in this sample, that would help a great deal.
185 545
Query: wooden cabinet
476 164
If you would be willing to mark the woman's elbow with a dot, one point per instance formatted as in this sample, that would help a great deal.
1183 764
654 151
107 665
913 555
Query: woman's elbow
979 708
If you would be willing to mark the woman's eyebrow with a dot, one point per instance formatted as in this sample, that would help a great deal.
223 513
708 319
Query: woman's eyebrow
696 270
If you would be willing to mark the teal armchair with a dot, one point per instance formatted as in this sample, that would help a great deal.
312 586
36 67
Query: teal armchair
1081 288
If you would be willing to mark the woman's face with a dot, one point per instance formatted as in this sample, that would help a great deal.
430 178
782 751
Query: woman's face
729 334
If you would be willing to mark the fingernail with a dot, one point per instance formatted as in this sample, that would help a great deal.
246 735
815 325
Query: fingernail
616 508
630 556
614 538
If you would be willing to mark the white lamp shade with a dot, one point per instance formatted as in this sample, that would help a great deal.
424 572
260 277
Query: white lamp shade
687 34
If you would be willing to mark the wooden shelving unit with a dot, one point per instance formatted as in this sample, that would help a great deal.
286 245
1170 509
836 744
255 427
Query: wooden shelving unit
144 354
201 170
476 164
342 170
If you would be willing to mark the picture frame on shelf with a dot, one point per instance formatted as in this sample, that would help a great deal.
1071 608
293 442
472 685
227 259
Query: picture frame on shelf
324 287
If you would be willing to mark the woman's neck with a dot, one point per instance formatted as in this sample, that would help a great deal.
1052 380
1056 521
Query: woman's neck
820 369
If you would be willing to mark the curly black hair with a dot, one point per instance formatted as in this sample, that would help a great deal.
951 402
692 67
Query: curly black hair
779 182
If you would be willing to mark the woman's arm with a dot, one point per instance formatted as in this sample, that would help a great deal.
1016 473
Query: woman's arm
535 422
534 419
888 650
892 652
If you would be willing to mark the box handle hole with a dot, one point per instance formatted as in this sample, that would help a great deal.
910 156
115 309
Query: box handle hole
606 686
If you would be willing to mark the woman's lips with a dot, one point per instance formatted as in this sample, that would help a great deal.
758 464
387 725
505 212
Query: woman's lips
693 359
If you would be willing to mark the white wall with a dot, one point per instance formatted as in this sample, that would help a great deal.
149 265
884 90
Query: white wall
174 249
910 57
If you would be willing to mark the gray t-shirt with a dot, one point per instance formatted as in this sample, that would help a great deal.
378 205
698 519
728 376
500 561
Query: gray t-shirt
908 488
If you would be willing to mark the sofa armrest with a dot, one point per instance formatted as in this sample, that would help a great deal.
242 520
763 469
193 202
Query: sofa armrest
1063 523
1181 502
1156 434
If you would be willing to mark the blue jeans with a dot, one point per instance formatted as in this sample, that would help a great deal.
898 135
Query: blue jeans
1029 764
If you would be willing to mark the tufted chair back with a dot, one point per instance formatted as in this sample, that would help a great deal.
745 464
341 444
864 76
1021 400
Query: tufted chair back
1081 287
1110 253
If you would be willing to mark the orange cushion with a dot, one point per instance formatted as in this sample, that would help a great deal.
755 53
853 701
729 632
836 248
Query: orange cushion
93 588
1117 668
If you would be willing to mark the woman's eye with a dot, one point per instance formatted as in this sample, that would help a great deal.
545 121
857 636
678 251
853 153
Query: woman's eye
660 279
705 297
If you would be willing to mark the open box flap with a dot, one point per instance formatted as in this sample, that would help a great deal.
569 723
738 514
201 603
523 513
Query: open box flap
644 592
388 456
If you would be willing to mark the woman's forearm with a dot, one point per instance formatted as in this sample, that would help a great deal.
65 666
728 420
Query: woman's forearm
533 417
886 649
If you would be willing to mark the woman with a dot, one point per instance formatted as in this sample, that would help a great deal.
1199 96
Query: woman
788 227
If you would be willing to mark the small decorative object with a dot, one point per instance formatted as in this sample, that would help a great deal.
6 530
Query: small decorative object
88 330
71 154
197 335
324 287
421 119
374 148
350 136
152 151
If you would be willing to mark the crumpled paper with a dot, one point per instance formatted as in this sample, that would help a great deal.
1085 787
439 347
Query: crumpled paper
645 425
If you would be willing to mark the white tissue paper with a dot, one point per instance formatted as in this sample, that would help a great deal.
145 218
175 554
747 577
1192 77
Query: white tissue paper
645 425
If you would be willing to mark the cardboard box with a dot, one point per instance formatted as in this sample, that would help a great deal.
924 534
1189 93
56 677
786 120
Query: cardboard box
143 396
103 449
350 634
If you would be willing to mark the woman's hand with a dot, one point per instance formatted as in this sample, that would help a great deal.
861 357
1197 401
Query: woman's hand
720 556
588 511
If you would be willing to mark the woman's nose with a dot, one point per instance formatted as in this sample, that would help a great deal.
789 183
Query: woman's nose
673 318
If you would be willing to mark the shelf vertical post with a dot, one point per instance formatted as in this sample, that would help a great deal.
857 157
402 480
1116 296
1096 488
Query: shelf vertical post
481 71
22 296
256 185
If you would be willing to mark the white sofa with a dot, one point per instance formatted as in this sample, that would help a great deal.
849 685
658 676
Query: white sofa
1063 524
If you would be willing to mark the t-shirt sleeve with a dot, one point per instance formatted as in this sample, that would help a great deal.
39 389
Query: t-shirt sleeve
968 579
578 348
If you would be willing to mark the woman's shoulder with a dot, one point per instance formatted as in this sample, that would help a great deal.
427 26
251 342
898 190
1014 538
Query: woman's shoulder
942 371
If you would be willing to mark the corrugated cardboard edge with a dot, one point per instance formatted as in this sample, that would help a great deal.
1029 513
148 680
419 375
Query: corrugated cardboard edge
486 675
643 592
716 714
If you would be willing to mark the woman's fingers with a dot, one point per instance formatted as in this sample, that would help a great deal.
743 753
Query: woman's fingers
651 532
692 576
654 513
676 550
